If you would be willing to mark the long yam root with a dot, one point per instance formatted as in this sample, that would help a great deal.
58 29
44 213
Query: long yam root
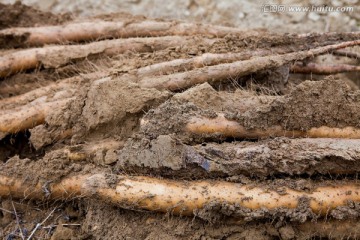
313 68
207 59
8 90
228 128
100 30
30 109
181 197
342 53
51 89
55 56
236 69
29 116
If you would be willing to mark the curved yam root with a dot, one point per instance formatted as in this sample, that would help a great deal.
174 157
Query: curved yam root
28 116
55 56
314 68
206 59
228 128
99 30
346 54
68 84
181 197
234 70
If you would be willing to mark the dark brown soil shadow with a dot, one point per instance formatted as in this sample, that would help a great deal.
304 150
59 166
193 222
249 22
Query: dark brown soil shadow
96 220
20 15
18 144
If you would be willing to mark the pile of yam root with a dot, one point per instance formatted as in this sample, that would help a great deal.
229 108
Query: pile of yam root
181 118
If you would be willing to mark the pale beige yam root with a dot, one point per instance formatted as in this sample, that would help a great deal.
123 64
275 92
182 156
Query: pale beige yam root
55 56
68 84
103 152
180 197
343 53
14 89
314 68
28 116
330 36
13 102
227 128
99 30
236 69
207 59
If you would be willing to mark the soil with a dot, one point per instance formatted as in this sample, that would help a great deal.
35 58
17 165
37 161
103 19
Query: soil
19 15
247 15
110 124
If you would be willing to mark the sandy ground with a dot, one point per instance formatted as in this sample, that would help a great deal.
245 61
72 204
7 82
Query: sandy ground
243 14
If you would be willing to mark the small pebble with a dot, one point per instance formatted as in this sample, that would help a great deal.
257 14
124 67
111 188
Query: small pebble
241 15
336 3
314 16
351 1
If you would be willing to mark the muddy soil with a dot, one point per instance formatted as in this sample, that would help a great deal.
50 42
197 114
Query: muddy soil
19 15
108 123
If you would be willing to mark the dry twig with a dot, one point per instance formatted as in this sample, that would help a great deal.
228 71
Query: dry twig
18 221
40 224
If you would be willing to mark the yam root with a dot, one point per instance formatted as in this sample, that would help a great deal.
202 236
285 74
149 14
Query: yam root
55 56
236 69
207 59
343 53
227 128
181 197
100 30
29 116
202 114
9 90
51 89
100 152
313 68
30 109
258 159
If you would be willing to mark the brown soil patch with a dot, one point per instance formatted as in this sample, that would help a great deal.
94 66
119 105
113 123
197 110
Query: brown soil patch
20 15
